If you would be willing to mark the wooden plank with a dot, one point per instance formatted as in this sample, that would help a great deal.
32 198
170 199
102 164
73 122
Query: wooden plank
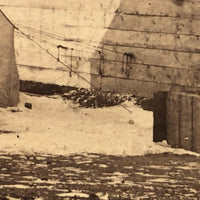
155 24
172 118
196 124
185 121
153 56
159 115
163 8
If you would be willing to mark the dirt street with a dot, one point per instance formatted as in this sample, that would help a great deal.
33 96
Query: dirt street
86 176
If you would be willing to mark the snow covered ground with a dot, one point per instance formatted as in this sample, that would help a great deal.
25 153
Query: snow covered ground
55 126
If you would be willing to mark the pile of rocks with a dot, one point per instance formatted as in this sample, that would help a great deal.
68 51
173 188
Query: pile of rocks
95 99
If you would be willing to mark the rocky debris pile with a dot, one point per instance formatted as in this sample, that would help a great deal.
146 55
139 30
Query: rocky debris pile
145 103
84 97
43 88
96 99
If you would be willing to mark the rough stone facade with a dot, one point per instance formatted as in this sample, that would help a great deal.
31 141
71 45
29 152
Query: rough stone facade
136 46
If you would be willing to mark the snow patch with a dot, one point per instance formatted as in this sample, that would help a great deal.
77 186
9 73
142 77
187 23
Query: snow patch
73 194
57 127
162 180
52 182
12 198
5 157
103 166
14 186
150 175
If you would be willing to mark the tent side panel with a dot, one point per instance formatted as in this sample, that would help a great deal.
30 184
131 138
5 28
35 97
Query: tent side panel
9 79
14 76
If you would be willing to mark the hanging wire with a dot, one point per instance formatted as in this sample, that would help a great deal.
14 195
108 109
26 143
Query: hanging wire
50 54
78 43
97 48
78 74
123 60
70 71
83 78
100 68
58 57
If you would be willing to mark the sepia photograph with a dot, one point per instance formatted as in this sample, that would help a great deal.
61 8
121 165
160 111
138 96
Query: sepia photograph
99 99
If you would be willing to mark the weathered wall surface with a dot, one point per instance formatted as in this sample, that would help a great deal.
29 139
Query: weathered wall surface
9 79
162 37
77 24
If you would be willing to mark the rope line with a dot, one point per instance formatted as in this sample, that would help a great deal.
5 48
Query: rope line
118 77
57 37
145 64
94 87
78 42
45 50
115 12
83 78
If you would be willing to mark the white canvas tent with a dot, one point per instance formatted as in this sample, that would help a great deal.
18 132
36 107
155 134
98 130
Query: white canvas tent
9 78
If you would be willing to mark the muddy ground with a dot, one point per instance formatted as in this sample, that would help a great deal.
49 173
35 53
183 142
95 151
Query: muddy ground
162 176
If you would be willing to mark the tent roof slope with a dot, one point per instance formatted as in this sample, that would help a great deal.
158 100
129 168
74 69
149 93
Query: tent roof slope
1 12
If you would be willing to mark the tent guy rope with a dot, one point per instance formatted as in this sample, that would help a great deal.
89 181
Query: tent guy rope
68 67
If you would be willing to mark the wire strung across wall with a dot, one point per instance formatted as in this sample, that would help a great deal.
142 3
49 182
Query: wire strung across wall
127 59
122 61
78 43
83 78
119 61
100 48
53 56
116 11
111 76
66 49
77 73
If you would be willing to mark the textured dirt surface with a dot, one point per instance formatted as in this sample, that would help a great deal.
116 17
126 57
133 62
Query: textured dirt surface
162 176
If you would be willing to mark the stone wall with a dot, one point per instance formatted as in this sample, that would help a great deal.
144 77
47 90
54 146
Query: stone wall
75 24
136 46
151 46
